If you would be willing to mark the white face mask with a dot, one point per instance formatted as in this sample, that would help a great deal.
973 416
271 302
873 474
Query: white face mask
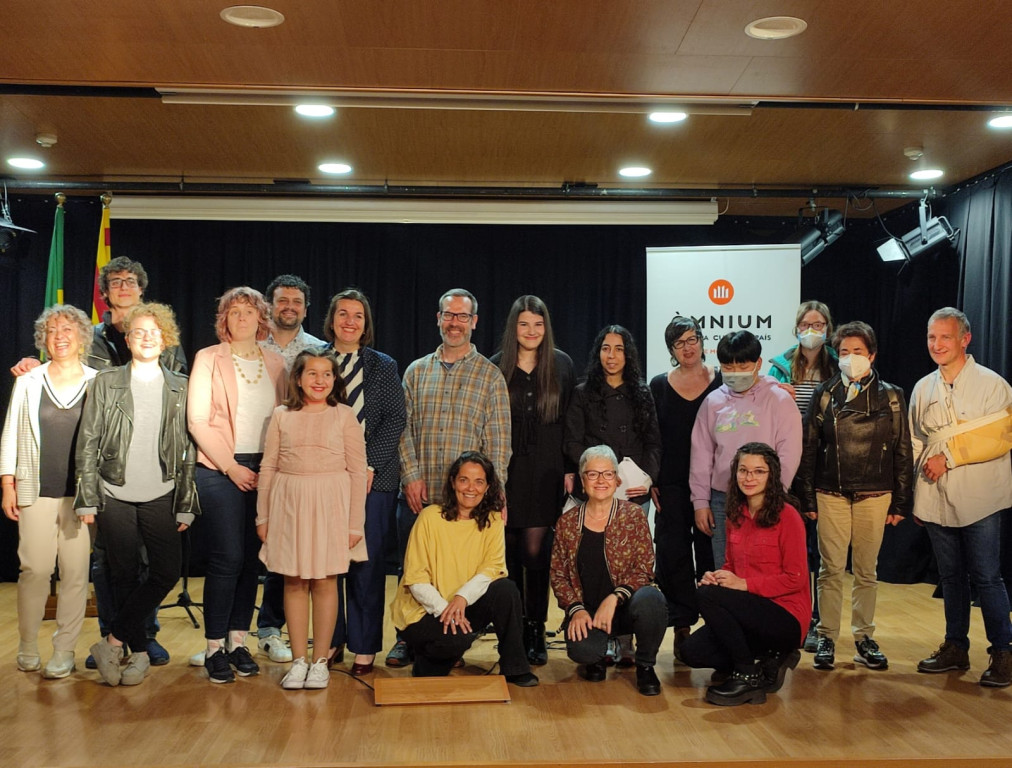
811 338
740 381
855 367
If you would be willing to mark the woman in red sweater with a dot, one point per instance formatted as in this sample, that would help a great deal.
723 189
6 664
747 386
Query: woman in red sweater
757 606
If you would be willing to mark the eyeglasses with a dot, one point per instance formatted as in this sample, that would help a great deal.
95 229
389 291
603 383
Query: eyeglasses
142 333
593 474
462 317
814 326
691 342
758 474
125 282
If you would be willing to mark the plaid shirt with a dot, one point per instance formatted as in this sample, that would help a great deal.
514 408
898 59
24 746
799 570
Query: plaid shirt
465 408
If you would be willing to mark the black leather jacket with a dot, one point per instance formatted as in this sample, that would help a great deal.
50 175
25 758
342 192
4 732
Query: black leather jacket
105 354
858 447
105 433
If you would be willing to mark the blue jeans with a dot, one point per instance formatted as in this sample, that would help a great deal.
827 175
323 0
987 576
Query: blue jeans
362 591
965 555
718 503
228 521
271 617
645 616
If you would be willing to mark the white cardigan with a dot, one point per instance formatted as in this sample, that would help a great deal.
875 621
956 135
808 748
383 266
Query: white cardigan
19 442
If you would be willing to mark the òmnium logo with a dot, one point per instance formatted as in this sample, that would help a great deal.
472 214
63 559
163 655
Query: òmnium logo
720 292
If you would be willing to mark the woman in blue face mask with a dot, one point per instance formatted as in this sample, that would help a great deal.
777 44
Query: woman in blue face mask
856 475
804 366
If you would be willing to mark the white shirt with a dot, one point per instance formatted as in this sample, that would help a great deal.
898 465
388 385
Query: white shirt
969 493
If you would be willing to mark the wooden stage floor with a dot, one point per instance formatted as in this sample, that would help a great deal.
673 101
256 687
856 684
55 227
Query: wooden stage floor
848 717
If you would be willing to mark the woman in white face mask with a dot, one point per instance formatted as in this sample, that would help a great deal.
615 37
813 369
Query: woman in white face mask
811 361
856 475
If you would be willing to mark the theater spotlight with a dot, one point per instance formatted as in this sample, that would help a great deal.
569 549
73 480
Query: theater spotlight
826 228
8 230
932 232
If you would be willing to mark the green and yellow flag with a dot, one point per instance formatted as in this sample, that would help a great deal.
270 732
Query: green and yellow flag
54 278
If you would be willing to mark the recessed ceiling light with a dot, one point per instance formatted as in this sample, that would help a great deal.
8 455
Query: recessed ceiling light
254 16
26 163
926 175
634 171
776 27
335 167
314 110
1002 121
667 117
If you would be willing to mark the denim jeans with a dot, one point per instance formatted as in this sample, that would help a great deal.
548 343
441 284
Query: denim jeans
718 504
645 616
228 522
271 617
966 555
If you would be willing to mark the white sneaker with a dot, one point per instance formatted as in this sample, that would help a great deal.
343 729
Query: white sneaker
296 677
197 659
59 666
319 675
275 648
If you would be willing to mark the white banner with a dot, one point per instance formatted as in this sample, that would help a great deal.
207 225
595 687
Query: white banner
753 288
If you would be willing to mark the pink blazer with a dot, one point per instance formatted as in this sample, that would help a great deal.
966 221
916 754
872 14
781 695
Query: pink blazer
213 397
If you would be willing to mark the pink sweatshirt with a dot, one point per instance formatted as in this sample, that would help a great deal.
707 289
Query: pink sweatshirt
726 420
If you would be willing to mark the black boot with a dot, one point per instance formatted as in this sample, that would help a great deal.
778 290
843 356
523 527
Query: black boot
534 642
744 685
774 668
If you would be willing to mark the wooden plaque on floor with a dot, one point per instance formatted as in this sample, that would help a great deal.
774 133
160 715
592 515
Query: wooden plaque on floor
440 690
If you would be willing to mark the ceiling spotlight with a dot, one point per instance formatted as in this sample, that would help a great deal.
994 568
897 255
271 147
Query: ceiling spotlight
1002 121
314 110
46 140
634 172
776 27
253 16
25 163
927 174
667 117
334 167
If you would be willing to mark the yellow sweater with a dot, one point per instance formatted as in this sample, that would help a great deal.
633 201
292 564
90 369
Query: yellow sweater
446 554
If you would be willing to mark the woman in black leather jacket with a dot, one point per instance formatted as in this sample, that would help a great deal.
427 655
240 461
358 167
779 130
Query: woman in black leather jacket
856 475
135 472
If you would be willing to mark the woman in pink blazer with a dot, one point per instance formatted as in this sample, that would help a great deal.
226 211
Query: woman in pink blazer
234 388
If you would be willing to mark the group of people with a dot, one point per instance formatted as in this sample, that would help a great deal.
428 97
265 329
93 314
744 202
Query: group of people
306 456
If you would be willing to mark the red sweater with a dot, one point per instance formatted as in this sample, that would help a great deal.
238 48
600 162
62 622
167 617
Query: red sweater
773 562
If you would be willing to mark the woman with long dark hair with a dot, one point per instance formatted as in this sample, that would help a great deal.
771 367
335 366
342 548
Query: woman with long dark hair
757 604
453 584
540 380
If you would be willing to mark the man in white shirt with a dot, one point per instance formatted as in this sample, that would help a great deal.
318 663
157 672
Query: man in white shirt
960 503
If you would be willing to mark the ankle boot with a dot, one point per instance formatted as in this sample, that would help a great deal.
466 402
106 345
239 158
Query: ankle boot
537 649
744 685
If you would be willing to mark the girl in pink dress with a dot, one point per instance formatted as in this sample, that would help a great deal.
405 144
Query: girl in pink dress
311 506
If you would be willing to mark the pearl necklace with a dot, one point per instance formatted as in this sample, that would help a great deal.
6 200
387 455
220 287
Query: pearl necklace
260 367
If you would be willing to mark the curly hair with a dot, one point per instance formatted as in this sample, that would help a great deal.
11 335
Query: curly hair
242 295
642 400
491 502
164 318
287 281
548 395
774 497
85 332
350 294
295 398
121 264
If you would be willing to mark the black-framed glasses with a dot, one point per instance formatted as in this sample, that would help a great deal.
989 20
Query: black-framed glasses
462 317
593 474
820 326
689 342
128 282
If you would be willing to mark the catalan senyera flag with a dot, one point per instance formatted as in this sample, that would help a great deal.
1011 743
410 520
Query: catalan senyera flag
54 278
98 305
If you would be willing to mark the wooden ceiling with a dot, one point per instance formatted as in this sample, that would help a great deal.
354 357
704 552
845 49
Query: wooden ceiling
91 74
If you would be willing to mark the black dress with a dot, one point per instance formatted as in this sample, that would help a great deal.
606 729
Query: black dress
674 528
534 492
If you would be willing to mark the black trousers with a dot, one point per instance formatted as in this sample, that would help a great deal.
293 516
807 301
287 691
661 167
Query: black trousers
435 652
675 569
125 528
740 627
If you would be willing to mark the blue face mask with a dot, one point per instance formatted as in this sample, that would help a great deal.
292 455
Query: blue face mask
740 381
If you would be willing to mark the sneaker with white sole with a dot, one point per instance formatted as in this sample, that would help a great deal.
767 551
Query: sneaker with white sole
218 668
59 666
274 647
296 677
868 653
318 675
107 658
197 659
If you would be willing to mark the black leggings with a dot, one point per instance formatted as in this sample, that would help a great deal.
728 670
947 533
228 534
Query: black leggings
740 627
528 559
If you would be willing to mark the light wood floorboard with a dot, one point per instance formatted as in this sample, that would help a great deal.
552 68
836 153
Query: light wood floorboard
849 717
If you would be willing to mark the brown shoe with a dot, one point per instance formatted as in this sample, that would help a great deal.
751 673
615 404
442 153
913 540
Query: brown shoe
948 656
999 671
